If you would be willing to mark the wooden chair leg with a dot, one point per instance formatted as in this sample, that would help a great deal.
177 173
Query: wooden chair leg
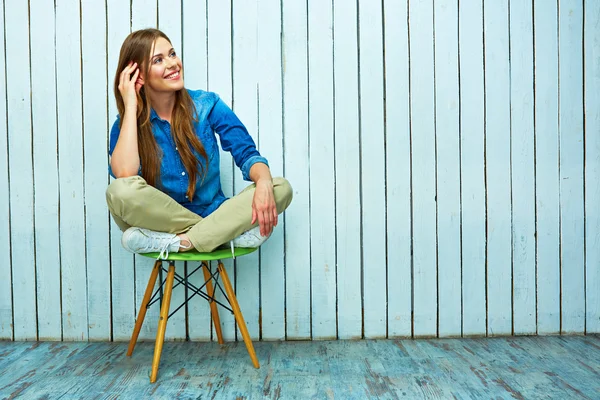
142 313
238 315
162 322
214 310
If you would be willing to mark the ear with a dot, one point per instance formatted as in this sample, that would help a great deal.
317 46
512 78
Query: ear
139 83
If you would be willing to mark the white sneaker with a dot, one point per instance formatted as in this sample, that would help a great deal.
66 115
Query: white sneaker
251 238
140 240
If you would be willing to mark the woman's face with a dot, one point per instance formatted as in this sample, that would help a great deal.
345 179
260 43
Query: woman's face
165 73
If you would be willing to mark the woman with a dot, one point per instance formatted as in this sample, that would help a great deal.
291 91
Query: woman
163 151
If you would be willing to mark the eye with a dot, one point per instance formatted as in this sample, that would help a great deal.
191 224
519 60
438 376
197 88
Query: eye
173 54
157 60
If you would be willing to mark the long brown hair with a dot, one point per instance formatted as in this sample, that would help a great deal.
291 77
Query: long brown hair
137 47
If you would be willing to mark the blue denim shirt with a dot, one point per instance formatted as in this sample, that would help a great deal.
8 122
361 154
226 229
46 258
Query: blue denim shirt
214 116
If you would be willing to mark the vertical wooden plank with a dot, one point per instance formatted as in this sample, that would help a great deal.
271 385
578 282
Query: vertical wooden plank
169 21
397 138
522 159
592 164
270 111
297 168
372 169
245 101
70 163
547 166
95 158
195 74
347 159
6 310
571 165
122 262
423 168
219 81
322 171
448 167
144 14
43 104
20 169
472 167
498 167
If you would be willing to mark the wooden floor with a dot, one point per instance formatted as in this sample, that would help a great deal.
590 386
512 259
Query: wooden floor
520 368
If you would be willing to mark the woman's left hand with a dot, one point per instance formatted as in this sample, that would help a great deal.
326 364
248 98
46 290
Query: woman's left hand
264 208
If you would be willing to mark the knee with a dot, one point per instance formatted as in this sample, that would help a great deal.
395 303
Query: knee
284 191
123 191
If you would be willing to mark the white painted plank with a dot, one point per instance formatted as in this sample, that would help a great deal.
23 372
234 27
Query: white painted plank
423 168
547 166
571 166
169 22
93 37
347 159
122 262
219 81
472 167
20 168
6 311
144 14
245 78
498 167
195 66
43 104
372 169
523 178
70 163
322 171
592 164
296 139
398 169
397 128
448 168
270 111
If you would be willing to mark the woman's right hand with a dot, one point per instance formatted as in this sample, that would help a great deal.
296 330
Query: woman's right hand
130 85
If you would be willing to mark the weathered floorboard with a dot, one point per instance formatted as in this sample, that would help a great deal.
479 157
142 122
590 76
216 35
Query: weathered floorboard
520 368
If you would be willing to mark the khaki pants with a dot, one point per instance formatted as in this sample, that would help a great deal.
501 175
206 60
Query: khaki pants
132 202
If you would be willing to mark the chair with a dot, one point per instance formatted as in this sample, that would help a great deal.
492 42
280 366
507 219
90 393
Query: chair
207 291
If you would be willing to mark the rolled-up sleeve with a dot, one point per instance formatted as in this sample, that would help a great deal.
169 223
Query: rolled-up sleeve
235 138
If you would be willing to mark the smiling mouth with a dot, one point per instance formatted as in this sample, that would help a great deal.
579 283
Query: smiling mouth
173 75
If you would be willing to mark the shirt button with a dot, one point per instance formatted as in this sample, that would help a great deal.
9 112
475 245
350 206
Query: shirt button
183 173
186 197
176 148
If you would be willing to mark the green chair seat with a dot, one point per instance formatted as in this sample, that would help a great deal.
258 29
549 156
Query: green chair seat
194 255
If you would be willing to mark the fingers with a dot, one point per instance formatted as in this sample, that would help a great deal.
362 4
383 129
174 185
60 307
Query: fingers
261 223
126 75
254 215
268 226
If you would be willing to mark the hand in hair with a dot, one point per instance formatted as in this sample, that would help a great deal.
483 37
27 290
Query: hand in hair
130 84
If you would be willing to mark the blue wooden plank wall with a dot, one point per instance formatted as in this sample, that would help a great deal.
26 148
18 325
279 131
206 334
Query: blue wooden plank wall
445 159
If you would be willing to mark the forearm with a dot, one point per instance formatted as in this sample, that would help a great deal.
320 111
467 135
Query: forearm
125 159
260 172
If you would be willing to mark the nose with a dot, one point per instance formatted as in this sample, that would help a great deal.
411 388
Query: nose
171 63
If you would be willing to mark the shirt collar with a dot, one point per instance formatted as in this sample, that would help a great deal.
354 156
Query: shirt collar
153 115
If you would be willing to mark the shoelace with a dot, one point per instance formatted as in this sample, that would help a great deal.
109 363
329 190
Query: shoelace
163 245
